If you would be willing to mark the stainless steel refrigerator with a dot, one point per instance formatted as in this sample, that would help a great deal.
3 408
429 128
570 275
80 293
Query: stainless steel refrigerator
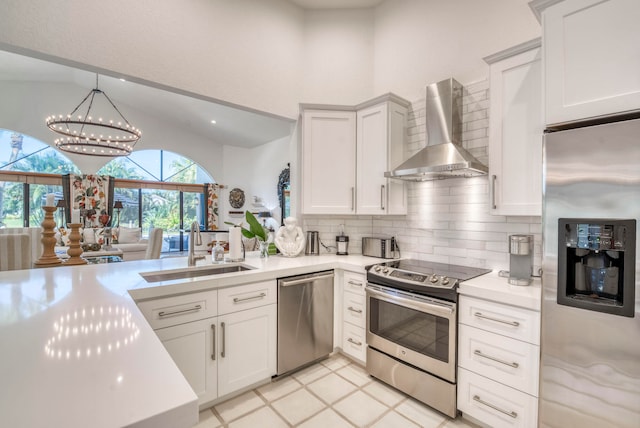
590 350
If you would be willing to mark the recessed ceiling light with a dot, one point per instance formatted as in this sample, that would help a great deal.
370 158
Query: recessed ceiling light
122 80
213 122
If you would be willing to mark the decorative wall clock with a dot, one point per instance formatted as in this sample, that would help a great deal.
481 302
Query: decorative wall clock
236 198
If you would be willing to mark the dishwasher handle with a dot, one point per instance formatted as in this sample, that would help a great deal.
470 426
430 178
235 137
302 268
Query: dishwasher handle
305 280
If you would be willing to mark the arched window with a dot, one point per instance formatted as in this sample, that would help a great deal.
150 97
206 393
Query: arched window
20 202
171 210
157 165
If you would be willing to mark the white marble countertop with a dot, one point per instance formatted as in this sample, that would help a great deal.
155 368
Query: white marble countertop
77 352
493 287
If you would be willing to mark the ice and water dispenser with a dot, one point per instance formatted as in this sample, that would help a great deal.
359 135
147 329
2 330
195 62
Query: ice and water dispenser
596 264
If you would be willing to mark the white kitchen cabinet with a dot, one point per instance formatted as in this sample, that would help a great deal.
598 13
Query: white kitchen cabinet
515 130
345 153
219 354
354 316
247 348
328 162
498 362
591 58
193 348
380 136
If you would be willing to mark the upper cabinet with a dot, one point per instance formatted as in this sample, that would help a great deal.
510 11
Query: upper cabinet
346 153
591 57
328 162
515 130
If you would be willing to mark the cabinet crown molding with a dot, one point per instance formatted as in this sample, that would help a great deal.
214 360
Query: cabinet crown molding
514 50
389 96
538 6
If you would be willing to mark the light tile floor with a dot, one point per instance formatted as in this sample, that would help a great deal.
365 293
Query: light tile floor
333 393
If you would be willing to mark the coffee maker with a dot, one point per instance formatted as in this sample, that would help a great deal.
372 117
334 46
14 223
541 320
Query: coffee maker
520 259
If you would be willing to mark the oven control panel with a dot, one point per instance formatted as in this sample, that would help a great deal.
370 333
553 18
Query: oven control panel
431 280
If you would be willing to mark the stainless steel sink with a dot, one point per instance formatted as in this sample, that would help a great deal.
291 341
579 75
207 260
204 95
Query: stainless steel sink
192 272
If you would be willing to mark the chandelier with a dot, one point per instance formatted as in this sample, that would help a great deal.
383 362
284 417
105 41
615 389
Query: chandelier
96 137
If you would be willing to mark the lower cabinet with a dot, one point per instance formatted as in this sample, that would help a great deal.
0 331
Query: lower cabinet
354 316
247 348
193 348
221 354
498 363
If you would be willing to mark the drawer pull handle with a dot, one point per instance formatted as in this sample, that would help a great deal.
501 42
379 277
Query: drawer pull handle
513 323
498 360
357 311
213 341
481 401
355 342
223 340
196 308
358 284
244 299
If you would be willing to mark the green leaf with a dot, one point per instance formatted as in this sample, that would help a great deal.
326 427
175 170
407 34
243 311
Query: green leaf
255 228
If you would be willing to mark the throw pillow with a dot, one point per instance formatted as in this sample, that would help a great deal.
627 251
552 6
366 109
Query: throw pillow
89 236
129 235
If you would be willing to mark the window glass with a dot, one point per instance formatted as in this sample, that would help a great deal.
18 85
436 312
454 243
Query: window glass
129 214
19 152
37 198
157 165
161 208
11 204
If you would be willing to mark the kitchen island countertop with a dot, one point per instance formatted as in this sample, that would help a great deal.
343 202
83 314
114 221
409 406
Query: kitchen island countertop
78 352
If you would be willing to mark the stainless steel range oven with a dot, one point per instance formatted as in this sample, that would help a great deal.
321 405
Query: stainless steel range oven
412 328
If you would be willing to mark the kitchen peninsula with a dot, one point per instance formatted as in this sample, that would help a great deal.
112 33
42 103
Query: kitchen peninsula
82 352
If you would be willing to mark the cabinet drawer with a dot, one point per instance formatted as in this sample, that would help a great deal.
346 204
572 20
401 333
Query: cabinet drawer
508 361
353 342
517 323
495 404
353 309
247 296
354 282
176 310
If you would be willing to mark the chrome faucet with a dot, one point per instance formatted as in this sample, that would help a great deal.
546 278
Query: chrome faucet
194 234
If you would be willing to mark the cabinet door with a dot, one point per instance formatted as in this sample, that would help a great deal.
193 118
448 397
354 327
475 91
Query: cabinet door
592 60
247 348
372 160
515 147
380 146
192 347
328 162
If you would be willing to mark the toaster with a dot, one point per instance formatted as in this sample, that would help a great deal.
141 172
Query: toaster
384 248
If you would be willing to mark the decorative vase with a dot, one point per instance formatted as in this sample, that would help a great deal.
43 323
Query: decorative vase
264 249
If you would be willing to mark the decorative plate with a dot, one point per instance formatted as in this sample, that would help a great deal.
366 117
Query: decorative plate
236 198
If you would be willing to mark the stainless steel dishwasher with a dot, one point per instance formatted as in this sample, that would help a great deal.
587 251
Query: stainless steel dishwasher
305 319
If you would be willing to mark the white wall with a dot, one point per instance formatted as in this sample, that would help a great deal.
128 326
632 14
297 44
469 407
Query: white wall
256 172
245 52
30 103
338 56
418 42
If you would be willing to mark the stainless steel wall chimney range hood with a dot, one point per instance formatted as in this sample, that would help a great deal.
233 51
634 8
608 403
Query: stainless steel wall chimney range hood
444 156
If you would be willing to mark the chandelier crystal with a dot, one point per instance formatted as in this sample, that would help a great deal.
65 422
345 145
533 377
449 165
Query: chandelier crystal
85 135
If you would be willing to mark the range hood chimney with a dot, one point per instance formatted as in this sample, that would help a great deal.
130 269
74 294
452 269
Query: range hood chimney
444 156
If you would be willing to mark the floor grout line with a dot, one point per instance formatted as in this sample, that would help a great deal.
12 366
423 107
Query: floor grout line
300 385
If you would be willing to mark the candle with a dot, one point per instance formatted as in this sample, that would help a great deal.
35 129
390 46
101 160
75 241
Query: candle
75 216
51 199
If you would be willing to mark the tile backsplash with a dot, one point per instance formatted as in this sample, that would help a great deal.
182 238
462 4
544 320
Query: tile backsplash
448 221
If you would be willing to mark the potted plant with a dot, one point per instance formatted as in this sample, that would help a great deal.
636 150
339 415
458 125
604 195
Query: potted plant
255 230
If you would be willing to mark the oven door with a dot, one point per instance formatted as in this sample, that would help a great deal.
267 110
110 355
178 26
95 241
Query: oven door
415 329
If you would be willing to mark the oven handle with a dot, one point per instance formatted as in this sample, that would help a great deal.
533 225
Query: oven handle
413 303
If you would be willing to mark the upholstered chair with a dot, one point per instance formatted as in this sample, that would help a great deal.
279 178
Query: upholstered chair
155 243
15 251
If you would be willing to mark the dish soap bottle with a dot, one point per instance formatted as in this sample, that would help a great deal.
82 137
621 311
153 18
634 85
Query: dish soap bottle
217 253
